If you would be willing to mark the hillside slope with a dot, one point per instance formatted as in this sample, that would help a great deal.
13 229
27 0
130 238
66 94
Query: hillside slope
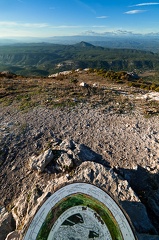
44 59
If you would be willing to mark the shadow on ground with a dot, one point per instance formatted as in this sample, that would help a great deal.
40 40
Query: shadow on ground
146 186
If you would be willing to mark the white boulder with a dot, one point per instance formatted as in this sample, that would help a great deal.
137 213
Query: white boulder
39 163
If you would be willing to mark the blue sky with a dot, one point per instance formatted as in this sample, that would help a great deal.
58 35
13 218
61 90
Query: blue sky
47 18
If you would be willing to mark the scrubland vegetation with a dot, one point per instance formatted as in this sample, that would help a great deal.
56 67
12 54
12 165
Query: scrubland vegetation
106 88
132 79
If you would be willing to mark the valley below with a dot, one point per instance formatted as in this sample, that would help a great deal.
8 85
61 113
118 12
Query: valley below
43 59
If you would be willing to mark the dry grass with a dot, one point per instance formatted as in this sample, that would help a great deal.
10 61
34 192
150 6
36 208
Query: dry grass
25 93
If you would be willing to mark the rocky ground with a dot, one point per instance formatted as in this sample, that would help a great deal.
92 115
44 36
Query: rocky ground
109 138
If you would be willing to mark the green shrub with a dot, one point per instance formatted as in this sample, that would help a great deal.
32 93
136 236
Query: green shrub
134 84
120 81
157 89
153 87
145 86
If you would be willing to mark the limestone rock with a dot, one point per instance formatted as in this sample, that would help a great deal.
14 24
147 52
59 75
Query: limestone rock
77 152
83 84
65 162
7 74
20 209
107 179
67 144
120 190
13 236
146 186
138 215
27 204
7 224
97 174
83 153
39 163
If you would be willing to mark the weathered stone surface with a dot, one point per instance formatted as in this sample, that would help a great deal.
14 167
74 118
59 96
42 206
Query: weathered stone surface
20 209
153 201
39 163
83 153
74 154
95 173
83 84
120 189
7 224
13 236
124 140
67 144
64 162
139 218
7 74
105 178
146 185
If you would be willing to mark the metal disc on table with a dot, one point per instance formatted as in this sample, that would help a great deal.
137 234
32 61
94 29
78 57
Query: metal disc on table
80 211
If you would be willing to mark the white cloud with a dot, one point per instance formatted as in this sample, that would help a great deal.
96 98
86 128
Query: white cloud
145 4
102 17
89 32
78 26
97 26
108 33
17 25
27 25
118 32
135 11
8 24
34 25
125 32
67 26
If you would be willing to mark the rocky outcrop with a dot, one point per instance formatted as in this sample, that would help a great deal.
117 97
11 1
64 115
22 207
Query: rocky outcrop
95 173
120 190
7 74
139 217
64 162
40 162
7 223
68 154
78 163
146 186
13 236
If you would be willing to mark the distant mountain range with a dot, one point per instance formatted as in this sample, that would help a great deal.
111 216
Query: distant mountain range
118 39
46 58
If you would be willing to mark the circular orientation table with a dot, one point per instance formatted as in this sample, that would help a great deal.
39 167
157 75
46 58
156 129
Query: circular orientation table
80 211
